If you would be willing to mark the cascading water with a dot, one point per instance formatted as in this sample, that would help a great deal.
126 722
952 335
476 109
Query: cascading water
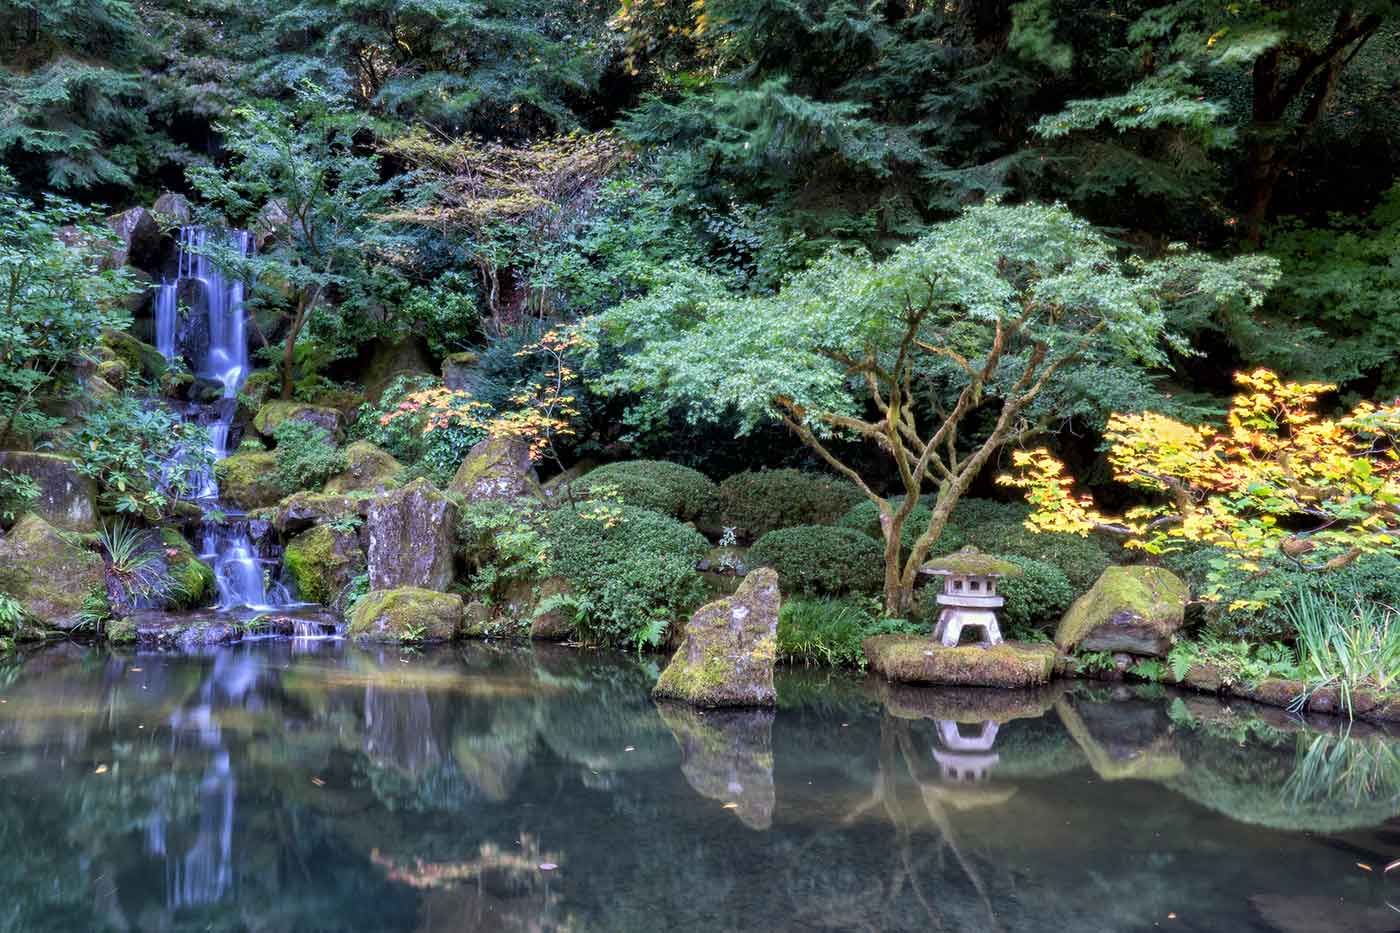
238 569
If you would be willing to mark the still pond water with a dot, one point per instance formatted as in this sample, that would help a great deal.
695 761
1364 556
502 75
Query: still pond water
310 785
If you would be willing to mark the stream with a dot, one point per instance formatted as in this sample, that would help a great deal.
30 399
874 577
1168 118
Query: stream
289 784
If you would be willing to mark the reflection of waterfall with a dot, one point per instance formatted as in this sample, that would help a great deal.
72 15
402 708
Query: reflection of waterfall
219 352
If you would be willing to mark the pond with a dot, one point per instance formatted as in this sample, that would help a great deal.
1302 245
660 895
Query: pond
311 785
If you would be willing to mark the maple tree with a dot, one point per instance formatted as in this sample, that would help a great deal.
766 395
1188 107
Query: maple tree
1277 481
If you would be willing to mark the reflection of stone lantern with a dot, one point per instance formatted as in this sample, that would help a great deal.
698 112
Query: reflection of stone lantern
969 598
966 758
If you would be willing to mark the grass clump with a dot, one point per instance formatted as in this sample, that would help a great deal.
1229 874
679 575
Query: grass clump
1348 645
829 632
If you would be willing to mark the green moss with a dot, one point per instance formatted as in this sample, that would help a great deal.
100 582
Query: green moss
194 579
277 412
407 614
367 467
121 632
137 356
696 683
914 659
1150 599
49 576
320 561
248 480
972 562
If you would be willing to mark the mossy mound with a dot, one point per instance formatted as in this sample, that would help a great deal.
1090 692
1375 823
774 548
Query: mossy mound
137 356
193 578
248 480
321 562
49 576
496 468
1137 610
917 659
67 499
407 614
367 468
668 488
277 412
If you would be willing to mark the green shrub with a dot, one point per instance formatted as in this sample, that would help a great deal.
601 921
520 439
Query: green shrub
821 559
668 488
865 518
996 528
632 570
830 631
1037 598
502 543
141 455
1373 578
306 456
760 501
434 454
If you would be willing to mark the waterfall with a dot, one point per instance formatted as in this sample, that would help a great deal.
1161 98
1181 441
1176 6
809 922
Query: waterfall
239 571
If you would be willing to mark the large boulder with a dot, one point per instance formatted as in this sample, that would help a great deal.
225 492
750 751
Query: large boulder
726 657
171 208
321 562
920 659
496 468
460 372
303 509
248 480
139 239
274 413
1136 610
388 361
367 468
406 614
412 536
552 620
139 357
67 499
50 577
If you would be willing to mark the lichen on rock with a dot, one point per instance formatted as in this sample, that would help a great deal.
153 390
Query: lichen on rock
278 411
496 468
407 614
412 533
67 499
919 659
248 480
49 576
1137 610
727 655
367 468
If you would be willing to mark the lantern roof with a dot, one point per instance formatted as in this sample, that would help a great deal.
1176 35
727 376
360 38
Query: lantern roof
970 562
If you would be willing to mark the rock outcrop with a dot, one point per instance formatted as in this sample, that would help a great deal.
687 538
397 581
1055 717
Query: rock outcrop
407 614
321 561
247 480
1137 610
274 413
727 655
50 577
412 532
67 499
496 468
367 469
460 373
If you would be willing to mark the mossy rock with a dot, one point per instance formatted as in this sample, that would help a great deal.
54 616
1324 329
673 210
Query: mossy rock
407 614
321 562
552 620
367 468
48 575
917 659
388 361
194 579
1137 610
137 356
115 372
971 562
276 412
496 468
121 632
304 509
460 371
248 480
259 387
67 499
729 649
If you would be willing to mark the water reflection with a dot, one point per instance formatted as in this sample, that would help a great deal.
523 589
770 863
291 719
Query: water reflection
280 785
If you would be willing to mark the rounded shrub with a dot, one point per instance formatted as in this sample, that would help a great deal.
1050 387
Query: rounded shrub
760 501
821 559
972 513
632 570
668 488
1038 597
865 518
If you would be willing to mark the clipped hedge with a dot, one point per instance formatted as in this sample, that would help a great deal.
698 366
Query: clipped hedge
997 528
759 501
668 488
821 559
865 518
632 570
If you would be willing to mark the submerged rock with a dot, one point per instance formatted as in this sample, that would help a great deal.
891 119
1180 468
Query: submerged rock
321 562
247 480
918 659
50 577
407 614
727 756
726 657
412 532
1133 609
367 468
496 468
276 412
67 499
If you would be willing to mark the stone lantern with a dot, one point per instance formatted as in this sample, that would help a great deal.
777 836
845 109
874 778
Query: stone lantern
969 598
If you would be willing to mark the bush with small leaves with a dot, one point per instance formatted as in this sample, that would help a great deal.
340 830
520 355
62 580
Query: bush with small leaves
668 488
306 456
865 518
821 559
760 501
1034 601
632 570
996 528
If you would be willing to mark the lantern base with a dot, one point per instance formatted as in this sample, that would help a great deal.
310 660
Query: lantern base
952 621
